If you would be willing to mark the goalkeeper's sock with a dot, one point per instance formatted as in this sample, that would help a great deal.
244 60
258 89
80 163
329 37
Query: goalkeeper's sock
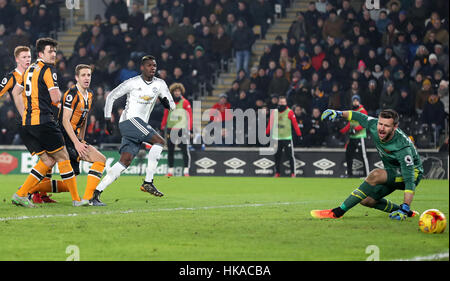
355 198
386 205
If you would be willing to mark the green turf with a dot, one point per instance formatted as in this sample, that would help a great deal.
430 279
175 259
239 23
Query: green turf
216 218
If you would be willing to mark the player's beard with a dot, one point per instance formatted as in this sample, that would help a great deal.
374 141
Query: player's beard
387 136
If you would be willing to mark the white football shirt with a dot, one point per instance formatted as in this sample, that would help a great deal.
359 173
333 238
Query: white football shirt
141 97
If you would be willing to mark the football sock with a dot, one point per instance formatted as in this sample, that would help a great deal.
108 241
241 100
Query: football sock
170 170
186 170
386 205
111 176
355 198
48 177
94 177
36 175
68 177
153 156
53 186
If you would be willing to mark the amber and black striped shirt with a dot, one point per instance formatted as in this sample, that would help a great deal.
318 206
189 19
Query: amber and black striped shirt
38 80
7 85
74 100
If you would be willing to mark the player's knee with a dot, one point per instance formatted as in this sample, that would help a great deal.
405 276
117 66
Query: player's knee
368 202
375 177
49 162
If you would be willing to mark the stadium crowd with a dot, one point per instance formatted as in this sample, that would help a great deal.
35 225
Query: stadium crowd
396 57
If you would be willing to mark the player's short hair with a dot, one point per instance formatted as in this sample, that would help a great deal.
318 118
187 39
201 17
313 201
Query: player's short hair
146 58
20 49
79 67
176 86
41 43
390 114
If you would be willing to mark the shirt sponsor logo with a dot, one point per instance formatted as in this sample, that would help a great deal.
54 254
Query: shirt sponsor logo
324 165
264 164
205 163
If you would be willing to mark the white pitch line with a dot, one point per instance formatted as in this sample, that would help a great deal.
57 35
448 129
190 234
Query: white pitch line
161 210
439 256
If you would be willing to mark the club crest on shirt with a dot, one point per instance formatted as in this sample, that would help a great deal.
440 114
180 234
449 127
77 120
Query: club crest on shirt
155 90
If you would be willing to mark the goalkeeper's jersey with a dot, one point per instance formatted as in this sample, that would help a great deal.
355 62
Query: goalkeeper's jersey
398 154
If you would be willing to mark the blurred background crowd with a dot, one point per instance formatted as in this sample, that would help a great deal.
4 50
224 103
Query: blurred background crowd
334 51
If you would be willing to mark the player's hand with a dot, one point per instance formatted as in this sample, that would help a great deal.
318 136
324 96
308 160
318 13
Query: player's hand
82 149
108 127
331 114
400 214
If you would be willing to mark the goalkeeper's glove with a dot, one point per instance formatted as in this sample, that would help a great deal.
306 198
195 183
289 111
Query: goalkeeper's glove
331 114
400 214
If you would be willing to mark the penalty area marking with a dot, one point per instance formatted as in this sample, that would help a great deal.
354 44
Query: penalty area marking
160 210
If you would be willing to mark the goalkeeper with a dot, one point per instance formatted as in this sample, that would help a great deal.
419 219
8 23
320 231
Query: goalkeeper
403 169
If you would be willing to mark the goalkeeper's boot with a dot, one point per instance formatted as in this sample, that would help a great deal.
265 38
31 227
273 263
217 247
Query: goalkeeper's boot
95 201
22 201
324 214
277 175
151 188
413 214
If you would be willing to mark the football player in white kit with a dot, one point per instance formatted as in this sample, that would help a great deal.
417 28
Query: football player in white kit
142 92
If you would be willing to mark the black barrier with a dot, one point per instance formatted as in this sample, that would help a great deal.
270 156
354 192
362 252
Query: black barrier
309 163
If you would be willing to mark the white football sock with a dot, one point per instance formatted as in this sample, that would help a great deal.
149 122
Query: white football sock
170 171
153 156
186 170
112 174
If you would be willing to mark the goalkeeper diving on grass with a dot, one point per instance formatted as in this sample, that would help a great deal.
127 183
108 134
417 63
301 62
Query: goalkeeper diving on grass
403 168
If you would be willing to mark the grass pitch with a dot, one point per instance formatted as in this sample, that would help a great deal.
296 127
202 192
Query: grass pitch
217 218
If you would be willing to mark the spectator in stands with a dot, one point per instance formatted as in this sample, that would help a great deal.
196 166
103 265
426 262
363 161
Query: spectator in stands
243 80
136 19
279 84
311 16
42 23
304 123
298 27
128 71
19 38
217 112
221 46
389 96
201 69
96 42
434 113
7 13
422 95
262 14
81 57
405 105
119 9
243 39
186 28
333 27
318 130
418 13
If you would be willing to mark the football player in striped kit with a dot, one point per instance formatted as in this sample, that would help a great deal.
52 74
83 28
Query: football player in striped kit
142 93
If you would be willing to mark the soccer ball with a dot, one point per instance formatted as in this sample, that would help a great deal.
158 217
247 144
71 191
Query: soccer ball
432 221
